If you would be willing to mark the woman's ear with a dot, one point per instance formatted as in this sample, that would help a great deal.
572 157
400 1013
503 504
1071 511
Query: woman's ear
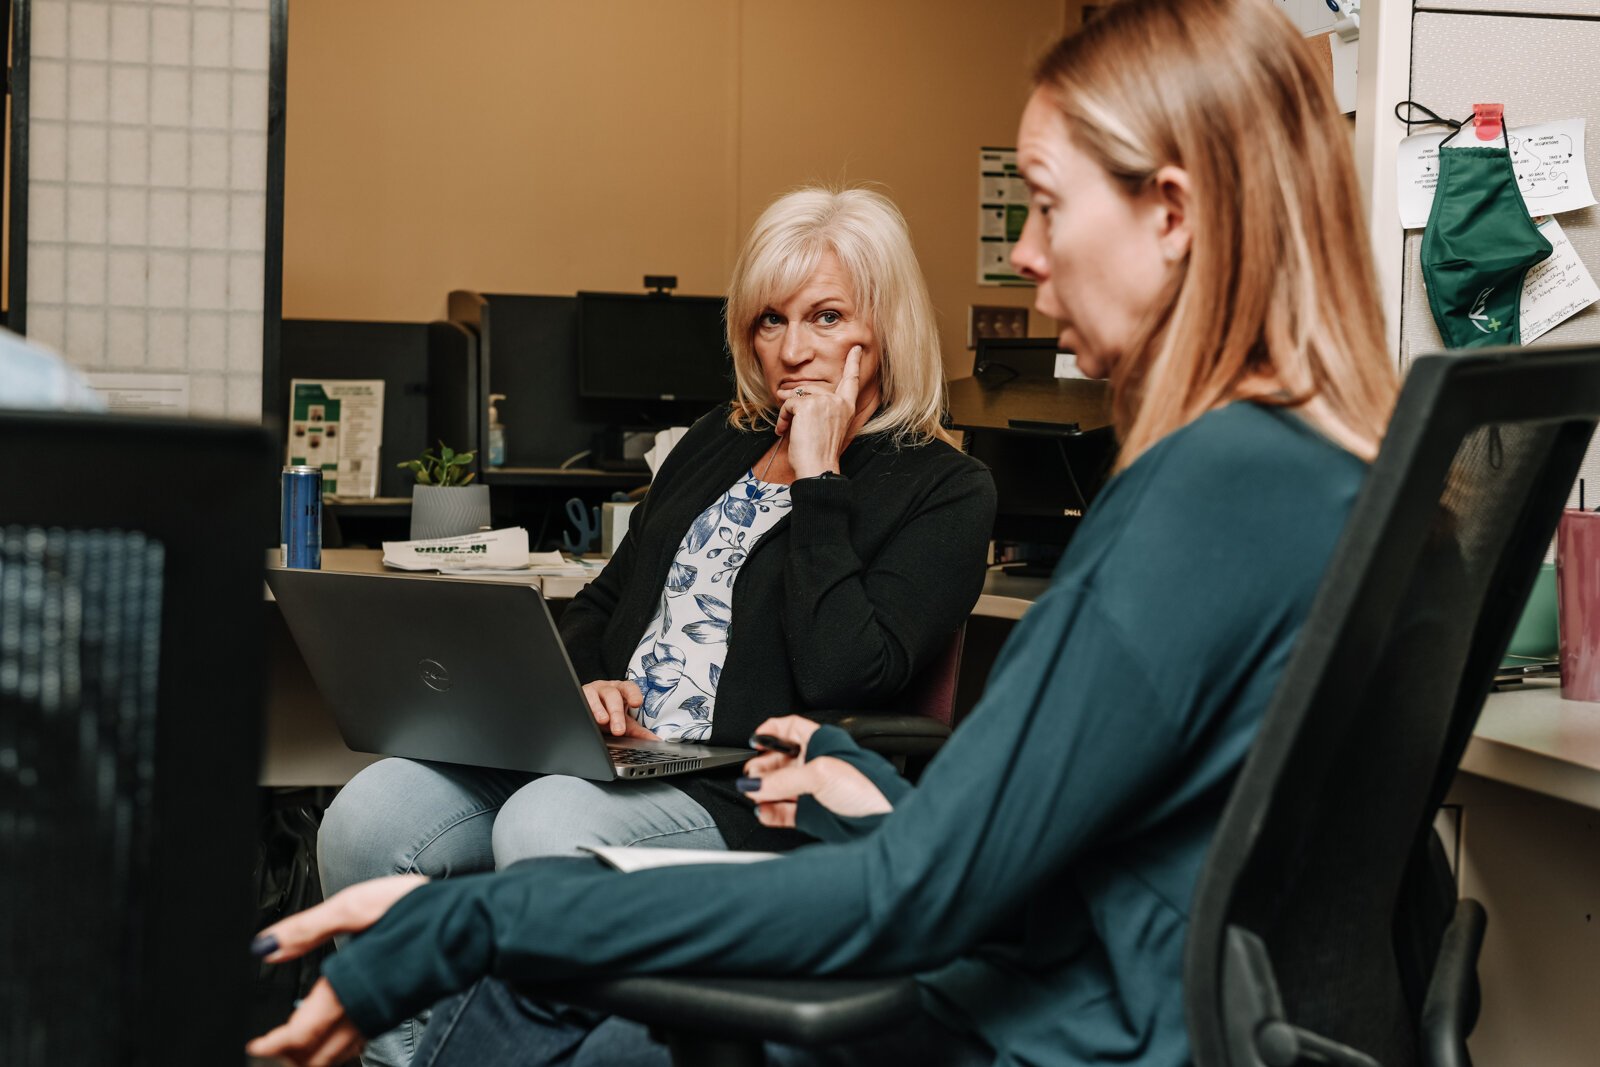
1170 191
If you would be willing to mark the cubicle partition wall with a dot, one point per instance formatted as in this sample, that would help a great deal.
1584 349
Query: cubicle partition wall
528 349
1537 57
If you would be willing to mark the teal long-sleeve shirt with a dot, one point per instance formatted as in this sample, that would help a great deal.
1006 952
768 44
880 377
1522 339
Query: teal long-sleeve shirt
1039 877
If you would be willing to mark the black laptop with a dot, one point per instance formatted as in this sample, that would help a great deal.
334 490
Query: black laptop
460 671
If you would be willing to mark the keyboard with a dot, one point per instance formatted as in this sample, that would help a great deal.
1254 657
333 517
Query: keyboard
633 757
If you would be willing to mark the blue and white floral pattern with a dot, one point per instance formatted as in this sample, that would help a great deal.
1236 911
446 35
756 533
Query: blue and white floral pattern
679 661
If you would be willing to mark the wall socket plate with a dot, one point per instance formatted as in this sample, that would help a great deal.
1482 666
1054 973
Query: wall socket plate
993 320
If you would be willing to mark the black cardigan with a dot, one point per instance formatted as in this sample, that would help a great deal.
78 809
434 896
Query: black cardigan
837 608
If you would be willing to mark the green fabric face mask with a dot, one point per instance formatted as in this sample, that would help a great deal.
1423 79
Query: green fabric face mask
1478 245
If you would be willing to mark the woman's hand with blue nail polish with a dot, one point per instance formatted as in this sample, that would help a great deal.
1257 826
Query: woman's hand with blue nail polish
348 911
318 1032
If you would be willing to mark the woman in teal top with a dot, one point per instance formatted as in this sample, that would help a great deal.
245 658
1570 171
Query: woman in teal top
1196 231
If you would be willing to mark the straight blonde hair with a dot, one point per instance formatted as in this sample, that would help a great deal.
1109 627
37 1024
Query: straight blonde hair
1278 286
870 238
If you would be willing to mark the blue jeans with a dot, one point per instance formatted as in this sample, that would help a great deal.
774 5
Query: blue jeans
402 816
492 1025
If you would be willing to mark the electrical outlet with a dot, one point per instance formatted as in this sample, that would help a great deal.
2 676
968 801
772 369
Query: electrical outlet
990 320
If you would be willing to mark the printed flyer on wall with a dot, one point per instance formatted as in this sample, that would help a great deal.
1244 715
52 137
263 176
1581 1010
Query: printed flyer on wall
337 424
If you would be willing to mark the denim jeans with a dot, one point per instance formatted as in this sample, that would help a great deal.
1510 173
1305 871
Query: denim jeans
403 816
492 1025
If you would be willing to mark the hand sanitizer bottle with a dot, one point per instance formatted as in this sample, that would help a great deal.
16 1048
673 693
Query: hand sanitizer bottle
497 432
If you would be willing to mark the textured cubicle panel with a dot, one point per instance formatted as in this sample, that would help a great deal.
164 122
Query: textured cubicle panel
147 191
1542 69
80 641
1580 8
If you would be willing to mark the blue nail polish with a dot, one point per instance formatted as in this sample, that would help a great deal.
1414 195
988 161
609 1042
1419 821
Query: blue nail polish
747 785
265 945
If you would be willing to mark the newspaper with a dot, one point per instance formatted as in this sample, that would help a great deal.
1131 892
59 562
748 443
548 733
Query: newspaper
488 550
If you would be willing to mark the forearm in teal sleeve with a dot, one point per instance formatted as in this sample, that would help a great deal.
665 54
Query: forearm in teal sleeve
812 818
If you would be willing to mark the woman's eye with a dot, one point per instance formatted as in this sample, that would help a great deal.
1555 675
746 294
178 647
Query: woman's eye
828 318
769 320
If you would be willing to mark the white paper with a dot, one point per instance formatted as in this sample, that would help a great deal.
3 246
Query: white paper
666 441
337 425
1556 289
142 394
503 550
1548 158
628 859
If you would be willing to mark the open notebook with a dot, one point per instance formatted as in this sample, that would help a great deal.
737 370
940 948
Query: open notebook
630 859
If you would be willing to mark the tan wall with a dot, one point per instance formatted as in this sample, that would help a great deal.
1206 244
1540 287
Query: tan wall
520 146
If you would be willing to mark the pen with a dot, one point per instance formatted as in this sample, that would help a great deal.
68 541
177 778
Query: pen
775 744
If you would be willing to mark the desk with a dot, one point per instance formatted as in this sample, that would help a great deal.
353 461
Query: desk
1526 808
982 403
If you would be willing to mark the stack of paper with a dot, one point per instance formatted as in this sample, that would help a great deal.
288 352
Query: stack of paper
665 440
488 550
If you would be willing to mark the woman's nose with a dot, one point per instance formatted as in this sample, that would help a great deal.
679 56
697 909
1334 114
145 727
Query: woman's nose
796 346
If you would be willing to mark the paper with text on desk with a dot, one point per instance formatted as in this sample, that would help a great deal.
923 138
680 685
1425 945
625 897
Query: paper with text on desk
486 550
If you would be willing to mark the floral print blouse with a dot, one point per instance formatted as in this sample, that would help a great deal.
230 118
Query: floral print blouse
679 660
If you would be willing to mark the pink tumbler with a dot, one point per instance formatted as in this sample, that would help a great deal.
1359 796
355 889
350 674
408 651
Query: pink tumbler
1578 593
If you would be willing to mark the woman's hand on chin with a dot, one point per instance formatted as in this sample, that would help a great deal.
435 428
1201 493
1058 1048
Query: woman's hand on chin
819 423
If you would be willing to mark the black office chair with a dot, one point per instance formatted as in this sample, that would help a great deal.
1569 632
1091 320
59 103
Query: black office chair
131 650
1321 930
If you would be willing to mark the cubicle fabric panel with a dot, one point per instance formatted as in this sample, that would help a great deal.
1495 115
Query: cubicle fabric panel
1542 67
147 189
80 644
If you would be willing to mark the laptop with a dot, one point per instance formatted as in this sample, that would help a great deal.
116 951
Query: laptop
460 671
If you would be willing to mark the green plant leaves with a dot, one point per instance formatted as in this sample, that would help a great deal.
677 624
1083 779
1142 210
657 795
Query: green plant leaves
447 468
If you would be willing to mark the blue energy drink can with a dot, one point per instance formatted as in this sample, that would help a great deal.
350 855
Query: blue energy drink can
300 533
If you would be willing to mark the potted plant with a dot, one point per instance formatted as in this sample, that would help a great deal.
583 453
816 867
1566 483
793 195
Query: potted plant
444 503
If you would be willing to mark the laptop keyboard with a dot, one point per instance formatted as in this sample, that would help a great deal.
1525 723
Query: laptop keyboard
634 757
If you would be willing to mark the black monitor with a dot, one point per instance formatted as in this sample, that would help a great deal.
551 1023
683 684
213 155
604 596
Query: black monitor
652 347
1044 482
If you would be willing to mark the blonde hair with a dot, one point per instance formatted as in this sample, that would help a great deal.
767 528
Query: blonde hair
869 236
1278 284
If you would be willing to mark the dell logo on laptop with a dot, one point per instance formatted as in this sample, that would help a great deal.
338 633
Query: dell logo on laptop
434 676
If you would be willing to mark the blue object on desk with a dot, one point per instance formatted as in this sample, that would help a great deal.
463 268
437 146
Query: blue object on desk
587 522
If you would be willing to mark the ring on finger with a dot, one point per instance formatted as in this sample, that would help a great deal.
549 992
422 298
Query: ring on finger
800 391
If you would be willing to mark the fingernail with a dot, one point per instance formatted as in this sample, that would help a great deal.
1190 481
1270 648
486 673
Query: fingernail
747 785
265 945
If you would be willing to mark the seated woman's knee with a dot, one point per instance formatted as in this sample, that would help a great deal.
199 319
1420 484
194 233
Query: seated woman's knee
557 816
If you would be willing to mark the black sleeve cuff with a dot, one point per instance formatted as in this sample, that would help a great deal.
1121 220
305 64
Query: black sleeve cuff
822 508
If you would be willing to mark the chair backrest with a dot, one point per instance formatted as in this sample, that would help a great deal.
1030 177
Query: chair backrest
132 554
1378 702
933 693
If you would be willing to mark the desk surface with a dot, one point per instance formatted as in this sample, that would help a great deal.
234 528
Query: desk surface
982 403
1529 737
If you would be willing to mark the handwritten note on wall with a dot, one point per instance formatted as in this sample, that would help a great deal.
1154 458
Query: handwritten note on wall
1548 158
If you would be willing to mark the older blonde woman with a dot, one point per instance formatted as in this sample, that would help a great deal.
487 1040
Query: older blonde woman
812 545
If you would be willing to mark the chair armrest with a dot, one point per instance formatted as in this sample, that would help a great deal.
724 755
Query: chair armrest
1450 1010
793 1011
896 735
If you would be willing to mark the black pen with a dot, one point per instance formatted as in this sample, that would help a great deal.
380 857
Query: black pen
774 743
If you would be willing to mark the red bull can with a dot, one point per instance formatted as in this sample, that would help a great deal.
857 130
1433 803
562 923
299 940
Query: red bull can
300 531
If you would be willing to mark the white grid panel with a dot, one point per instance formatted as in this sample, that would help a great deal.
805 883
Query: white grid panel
147 191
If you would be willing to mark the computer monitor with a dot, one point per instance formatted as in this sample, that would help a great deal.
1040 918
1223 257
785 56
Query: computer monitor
1044 482
652 347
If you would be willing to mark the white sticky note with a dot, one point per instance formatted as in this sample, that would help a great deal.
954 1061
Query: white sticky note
1556 289
1548 159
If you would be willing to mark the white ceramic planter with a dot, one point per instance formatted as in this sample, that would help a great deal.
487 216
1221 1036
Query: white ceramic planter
448 511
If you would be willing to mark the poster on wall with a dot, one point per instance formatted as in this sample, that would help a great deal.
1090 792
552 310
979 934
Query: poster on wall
1002 209
337 424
